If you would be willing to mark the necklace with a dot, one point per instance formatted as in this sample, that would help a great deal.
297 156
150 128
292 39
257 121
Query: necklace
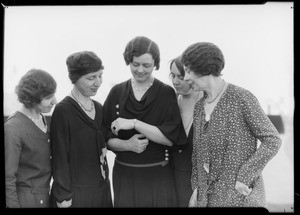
221 89
81 105
141 89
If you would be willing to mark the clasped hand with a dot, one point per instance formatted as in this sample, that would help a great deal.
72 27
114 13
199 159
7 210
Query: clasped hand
242 188
121 123
138 143
64 204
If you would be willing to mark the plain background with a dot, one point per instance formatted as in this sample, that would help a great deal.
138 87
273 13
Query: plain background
257 42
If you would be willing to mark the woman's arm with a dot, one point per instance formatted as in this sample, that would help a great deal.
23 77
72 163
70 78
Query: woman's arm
137 143
59 137
13 150
151 132
263 129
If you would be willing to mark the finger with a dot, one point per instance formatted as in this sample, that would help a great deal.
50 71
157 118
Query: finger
112 127
140 136
115 132
144 141
248 191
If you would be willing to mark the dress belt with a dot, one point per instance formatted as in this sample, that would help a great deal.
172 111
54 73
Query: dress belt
162 163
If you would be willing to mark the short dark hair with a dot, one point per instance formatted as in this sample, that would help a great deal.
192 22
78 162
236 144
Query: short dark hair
204 58
35 85
178 64
141 45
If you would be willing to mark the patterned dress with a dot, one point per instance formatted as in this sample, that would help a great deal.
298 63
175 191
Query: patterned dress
226 150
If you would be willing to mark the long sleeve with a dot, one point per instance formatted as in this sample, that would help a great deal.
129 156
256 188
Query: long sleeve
59 137
263 129
172 126
108 113
13 150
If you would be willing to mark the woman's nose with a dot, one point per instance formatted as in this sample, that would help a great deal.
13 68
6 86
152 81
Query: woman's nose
54 101
186 76
98 82
140 69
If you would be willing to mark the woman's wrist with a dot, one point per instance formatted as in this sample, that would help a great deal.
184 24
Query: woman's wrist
134 123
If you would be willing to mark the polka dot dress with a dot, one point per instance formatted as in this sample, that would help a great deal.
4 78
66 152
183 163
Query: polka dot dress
225 149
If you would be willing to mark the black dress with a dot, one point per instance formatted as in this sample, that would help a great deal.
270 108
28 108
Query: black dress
134 185
181 161
80 169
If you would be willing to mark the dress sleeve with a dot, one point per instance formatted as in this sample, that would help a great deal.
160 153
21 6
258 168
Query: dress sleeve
13 150
59 136
172 126
262 129
108 109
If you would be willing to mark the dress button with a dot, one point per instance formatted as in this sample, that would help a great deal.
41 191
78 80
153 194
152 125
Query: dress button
166 150
41 201
48 140
167 155
50 157
117 112
166 159
117 106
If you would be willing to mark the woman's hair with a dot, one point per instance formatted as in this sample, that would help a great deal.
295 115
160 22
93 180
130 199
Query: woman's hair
35 85
141 45
203 58
178 64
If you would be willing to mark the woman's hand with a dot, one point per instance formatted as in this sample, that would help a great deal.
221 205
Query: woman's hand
64 204
138 143
121 124
242 188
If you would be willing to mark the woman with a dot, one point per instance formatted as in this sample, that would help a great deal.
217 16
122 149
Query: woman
181 159
27 147
228 122
143 120
80 170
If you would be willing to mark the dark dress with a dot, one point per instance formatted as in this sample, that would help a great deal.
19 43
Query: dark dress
181 161
77 146
152 186
27 163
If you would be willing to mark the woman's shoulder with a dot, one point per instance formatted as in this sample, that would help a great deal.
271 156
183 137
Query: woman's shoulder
16 121
63 105
120 85
164 87
97 104
241 95
239 92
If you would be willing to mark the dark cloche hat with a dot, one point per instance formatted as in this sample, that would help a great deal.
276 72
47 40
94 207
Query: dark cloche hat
82 63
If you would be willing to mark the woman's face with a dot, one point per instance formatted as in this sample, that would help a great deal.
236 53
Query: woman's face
89 84
46 104
142 67
182 86
198 82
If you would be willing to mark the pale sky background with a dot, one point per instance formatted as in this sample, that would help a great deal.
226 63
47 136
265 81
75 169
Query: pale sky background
257 42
